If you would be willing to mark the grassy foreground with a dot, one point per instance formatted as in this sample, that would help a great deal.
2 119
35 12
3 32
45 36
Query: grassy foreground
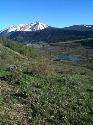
37 91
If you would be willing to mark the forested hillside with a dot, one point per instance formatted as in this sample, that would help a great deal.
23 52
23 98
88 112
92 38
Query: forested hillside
50 35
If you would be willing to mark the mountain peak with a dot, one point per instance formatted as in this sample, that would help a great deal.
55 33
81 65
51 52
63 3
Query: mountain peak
35 26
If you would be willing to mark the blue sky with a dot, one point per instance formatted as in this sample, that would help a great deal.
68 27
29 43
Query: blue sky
59 13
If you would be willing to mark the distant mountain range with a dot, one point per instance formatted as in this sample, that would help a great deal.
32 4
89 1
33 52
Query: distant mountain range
39 32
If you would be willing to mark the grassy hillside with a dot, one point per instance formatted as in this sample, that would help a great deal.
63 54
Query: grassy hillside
35 90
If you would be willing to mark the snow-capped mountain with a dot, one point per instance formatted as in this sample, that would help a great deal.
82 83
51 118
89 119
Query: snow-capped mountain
35 26
82 27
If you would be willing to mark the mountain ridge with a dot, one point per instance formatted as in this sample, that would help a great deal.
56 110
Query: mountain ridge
35 26
38 32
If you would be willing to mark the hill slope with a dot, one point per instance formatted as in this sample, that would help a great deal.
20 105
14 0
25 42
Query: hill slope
32 91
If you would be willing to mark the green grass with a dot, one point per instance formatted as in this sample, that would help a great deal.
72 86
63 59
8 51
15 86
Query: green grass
42 92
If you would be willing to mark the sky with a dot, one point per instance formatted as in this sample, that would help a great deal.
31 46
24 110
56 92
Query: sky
57 13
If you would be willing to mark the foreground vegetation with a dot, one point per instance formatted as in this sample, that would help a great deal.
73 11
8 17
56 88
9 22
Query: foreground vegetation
35 90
